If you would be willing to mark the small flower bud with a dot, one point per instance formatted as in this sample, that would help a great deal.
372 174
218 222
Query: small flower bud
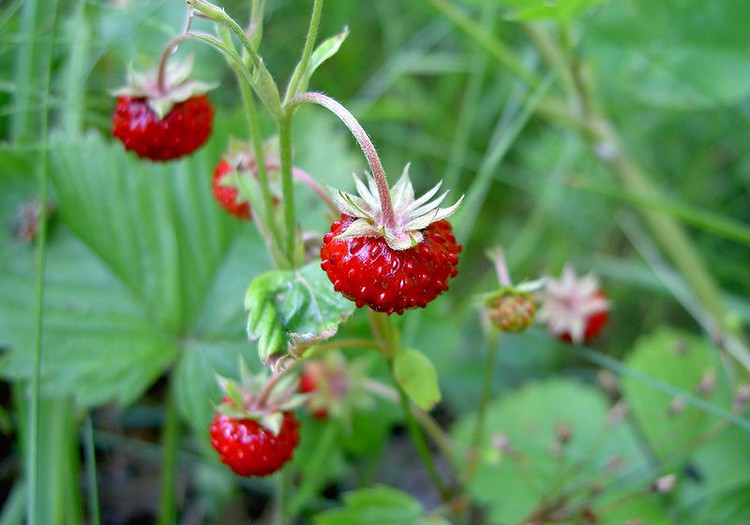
617 413
676 406
563 432
707 384
501 442
608 382
664 484
741 398
512 311
28 218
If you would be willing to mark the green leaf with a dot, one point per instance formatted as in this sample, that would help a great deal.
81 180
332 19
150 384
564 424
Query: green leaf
681 54
671 425
717 492
140 262
522 461
416 375
542 9
328 48
377 506
298 307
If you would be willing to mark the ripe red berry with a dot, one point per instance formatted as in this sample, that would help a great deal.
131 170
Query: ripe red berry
226 196
369 272
181 131
251 449
595 323
574 308
308 384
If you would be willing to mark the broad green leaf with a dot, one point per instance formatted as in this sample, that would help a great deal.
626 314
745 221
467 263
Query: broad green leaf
298 306
136 265
522 460
672 426
682 54
377 506
416 375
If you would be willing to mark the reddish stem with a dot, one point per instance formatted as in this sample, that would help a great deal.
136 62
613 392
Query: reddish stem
306 179
501 267
365 144
169 50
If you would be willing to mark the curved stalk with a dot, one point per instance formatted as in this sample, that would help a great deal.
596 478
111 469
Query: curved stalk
365 144
169 50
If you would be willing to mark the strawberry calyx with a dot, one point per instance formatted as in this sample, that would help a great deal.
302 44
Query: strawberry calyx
162 93
410 215
261 398
569 304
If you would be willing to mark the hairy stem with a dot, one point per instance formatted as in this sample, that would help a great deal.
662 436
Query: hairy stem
255 29
420 443
364 142
383 329
226 46
315 469
312 33
472 456
169 50
287 186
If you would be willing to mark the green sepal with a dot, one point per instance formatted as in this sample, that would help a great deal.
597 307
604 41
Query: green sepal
300 305
266 89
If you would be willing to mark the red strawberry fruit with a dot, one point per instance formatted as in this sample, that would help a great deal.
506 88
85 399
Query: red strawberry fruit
228 196
251 449
163 115
183 130
390 265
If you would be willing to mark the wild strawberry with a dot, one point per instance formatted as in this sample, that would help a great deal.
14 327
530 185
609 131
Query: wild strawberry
163 116
390 264
308 384
254 430
249 448
228 196
511 310
574 309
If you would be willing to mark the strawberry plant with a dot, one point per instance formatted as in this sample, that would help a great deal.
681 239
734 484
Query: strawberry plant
362 350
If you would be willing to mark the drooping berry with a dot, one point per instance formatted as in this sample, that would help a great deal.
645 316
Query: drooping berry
390 268
309 384
228 196
251 449
163 117
574 308
369 272
180 132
